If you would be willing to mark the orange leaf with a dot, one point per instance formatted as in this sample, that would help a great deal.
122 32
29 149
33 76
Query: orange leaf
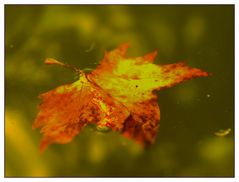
118 94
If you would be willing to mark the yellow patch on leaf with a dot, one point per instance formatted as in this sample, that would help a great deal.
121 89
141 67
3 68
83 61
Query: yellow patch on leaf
118 94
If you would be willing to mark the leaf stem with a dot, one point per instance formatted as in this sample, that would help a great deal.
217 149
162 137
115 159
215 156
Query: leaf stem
51 61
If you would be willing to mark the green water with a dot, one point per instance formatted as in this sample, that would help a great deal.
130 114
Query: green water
191 113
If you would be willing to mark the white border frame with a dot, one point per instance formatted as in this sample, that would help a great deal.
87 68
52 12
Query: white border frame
117 2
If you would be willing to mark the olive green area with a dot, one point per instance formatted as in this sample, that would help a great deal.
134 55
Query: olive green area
191 112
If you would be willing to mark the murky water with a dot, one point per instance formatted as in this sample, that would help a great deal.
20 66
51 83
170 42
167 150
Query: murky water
191 113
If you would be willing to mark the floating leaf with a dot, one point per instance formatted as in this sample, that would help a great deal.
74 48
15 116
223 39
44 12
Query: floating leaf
119 94
223 132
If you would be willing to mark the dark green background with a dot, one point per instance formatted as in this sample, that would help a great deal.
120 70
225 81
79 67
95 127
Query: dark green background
191 113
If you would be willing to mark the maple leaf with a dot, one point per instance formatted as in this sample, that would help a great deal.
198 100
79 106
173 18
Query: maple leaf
118 94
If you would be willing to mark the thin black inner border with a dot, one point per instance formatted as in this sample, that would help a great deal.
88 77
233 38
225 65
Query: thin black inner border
234 145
